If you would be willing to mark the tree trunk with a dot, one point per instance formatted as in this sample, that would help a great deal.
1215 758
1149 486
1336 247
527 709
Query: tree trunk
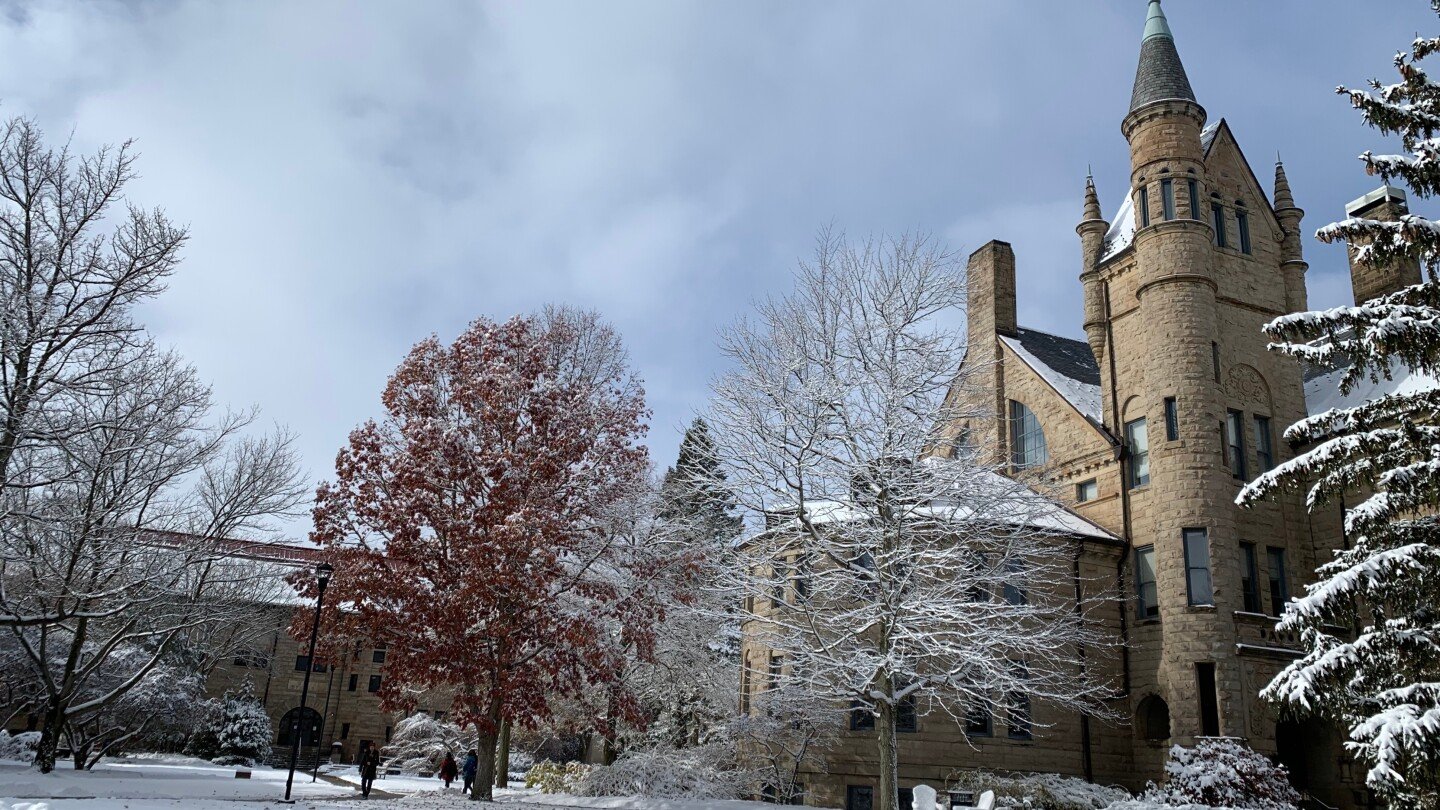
502 757
49 738
889 766
483 788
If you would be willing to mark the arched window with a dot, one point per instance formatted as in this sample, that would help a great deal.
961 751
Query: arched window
1152 719
309 723
1027 439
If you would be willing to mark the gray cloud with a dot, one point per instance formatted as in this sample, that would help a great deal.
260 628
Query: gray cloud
358 176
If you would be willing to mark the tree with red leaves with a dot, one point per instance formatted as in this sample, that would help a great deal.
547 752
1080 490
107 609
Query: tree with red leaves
470 527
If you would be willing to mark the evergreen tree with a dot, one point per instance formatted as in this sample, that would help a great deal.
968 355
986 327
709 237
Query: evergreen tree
1379 461
244 731
694 489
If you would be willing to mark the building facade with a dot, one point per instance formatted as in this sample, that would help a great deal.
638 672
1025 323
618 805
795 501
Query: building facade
1148 429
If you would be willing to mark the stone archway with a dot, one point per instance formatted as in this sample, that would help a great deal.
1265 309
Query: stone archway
310 724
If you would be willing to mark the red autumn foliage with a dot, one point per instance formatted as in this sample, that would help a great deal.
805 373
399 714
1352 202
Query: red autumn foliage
466 527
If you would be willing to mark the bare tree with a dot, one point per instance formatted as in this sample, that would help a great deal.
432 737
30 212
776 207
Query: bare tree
887 579
118 484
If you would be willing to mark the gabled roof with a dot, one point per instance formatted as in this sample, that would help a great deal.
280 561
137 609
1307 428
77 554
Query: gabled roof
1066 364
1322 386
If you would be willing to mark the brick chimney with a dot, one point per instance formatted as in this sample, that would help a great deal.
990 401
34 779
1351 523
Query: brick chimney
1386 204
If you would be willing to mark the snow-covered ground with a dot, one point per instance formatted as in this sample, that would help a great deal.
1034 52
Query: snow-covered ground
181 783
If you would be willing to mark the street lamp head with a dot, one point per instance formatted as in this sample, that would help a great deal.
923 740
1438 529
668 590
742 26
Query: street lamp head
323 572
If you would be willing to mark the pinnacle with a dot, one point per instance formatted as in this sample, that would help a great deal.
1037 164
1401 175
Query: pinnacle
1092 201
1160 75
1283 198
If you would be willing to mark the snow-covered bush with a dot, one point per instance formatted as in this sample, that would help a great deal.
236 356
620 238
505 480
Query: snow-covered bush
701 772
243 731
1038 791
420 743
556 777
1224 773
20 746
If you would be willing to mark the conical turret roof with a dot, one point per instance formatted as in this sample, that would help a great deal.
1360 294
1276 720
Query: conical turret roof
1160 76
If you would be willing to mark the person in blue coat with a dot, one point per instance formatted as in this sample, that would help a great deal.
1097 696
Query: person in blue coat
472 764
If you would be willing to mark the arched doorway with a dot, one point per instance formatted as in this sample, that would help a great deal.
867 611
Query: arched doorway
1299 746
309 724
1152 719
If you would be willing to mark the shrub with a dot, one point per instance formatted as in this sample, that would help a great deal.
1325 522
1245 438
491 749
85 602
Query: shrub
677 773
556 777
19 746
243 731
421 742
1223 772
1038 791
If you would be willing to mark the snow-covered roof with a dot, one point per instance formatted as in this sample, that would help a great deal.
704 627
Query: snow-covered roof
1122 228
1005 501
1322 387
1066 364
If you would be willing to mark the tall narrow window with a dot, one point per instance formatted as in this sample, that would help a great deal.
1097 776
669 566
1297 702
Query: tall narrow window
1215 359
1195 208
1279 592
1242 224
1014 594
1017 706
777 663
1147 599
978 721
1197 566
1167 198
1264 444
800 579
745 687
1235 442
1144 206
1137 441
1217 219
354 682
1172 419
1209 701
374 685
1027 438
861 718
906 718
1249 578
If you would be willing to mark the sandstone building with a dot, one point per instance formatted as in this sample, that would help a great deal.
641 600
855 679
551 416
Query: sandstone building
1147 430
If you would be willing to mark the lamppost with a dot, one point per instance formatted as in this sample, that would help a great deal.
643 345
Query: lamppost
322 578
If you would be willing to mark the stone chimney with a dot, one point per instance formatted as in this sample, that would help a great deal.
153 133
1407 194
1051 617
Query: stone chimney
990 279
1386 204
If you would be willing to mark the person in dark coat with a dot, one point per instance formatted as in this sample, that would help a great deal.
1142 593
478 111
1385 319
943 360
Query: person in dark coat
472 764
448 769
369 767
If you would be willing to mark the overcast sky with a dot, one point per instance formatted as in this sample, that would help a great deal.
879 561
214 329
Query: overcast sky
357 176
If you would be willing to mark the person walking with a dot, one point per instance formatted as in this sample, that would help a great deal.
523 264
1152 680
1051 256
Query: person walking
369 767
472 764
448 769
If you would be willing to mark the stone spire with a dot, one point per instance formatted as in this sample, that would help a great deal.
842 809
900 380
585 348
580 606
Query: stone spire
1092 230
1292 252
1283 198
1160 75
1092 200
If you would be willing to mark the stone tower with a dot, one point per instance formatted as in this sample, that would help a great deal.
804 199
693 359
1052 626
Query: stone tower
1176 292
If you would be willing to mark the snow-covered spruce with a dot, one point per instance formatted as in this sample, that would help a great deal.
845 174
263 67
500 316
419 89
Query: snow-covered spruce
244 732
1380 458
887 578
420 742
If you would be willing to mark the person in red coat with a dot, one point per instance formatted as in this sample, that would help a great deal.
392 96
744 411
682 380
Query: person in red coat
448 769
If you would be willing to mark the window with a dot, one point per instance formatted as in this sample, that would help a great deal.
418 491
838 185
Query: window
1087 491
302 661
1144 206
1264 444
1235 442
777 585
1147 598
354 682
861 718
906 718
978 722
388 731
344 731
439 715
1153 716
1014 594
859 797
374 685
745 687
772 674
980 570
1242 225
255 659
905 799
1217 219
1249 578
1137 441
1027 439
378 655
1017 710
800 579
1279 593
1167 198
1194 189
1172 419
1209 704
1215 359
1197 566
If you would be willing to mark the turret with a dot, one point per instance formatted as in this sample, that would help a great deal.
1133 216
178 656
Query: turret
1292 254
1092 230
